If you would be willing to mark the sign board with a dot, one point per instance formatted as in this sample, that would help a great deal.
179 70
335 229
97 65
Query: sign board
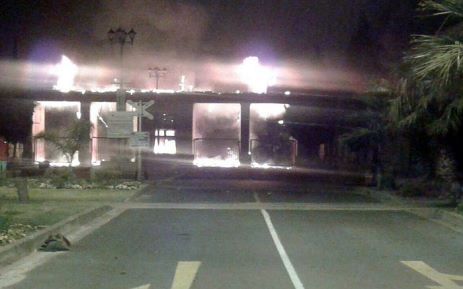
139 140
141 108
120 124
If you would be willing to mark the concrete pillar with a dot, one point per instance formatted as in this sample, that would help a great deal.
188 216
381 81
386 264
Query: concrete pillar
244 139
85 154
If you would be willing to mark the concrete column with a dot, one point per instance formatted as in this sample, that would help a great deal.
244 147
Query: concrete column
244 140
85 154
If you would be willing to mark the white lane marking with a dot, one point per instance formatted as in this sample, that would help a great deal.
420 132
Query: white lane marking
17 271
445 281
185 274
281 250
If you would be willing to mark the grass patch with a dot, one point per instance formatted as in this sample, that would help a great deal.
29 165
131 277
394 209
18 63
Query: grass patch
67 195
49 206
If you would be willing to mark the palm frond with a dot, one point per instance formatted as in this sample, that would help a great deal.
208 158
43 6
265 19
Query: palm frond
359 138
436 58
450 120
453 8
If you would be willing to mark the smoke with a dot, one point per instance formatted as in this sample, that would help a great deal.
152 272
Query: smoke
216 134
216 121
170 34
161 26
201 74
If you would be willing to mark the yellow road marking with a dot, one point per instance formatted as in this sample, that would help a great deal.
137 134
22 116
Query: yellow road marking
147 286
185 274
446 281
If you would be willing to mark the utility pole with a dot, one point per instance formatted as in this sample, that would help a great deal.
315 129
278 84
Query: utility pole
157 73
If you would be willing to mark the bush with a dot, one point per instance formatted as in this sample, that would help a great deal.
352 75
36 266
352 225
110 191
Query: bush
386 182
419 188
460 207
3 180
106 176
4 223
60 177
411 190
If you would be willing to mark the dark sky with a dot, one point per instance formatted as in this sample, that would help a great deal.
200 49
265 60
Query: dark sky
363 32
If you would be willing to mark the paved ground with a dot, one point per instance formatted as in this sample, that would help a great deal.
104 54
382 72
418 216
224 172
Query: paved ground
245 247
230 191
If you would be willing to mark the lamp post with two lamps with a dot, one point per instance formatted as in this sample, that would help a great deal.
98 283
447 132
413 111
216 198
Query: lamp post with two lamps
121 37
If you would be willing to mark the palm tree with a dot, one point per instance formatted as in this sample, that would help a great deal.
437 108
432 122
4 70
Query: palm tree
431 93
371 129
77 136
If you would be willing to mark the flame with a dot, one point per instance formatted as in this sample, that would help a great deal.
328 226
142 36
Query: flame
230 162
269 166
269 110
256 76
66 71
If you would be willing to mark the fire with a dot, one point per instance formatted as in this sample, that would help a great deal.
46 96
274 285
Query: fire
268 166
256 76
230 162
66 71
269 110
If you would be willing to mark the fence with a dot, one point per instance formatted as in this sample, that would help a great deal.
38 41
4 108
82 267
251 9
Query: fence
216 148
277 153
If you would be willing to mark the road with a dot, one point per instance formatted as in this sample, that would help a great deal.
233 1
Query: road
265 234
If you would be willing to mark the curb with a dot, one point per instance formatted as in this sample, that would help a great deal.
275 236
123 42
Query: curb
29 244
444 217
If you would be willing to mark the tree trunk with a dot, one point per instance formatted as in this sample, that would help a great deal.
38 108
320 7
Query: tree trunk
15 146
22 190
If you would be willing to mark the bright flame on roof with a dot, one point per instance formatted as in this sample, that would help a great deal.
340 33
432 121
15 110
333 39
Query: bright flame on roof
256 76
66 72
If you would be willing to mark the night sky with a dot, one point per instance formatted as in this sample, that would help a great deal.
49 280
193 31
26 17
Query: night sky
368 34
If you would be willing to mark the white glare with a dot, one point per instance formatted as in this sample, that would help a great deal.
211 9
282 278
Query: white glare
268 166
269 110
66 72
256 76
230 162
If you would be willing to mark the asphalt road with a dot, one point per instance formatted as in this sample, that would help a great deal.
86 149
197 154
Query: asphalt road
231 191
258 248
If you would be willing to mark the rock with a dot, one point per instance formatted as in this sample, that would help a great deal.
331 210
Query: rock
56 243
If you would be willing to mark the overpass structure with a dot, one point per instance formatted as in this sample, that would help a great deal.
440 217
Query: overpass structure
180 107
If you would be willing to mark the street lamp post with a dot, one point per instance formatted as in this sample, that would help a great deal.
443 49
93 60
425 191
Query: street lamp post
157 73
121 37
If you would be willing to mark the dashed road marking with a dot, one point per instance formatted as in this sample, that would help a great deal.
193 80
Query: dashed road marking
185 274
446 281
